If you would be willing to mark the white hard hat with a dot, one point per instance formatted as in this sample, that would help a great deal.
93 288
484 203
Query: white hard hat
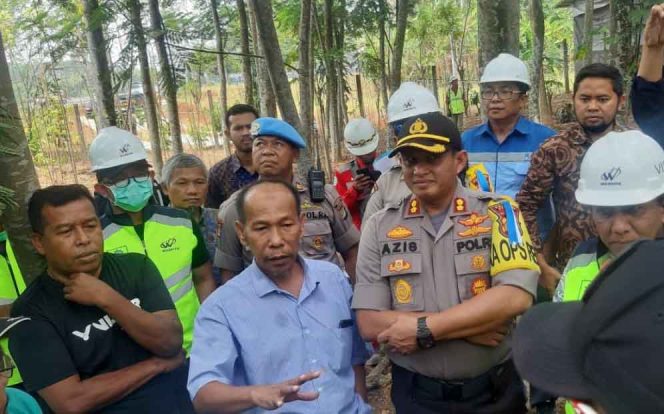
409 100
622 168
114 146
360 137
506 68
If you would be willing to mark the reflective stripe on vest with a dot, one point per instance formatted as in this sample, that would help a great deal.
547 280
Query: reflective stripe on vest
168 241
457 105
581 271
11 285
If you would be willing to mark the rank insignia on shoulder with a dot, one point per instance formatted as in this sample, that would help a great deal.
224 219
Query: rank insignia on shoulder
399 232
403 292
414 208
399 265
459 205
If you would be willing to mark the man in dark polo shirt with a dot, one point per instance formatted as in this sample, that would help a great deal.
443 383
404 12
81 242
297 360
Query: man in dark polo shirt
237 170
104 336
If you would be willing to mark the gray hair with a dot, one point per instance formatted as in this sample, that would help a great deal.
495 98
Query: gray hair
181 161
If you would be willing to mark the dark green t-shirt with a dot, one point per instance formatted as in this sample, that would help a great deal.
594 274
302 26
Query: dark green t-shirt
64 338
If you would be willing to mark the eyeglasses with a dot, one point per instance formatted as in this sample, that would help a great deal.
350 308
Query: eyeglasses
503 94
6 367
125 182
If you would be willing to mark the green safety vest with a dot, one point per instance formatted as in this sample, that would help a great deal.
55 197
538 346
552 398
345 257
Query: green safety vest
168 240
11 285
581 270
457 105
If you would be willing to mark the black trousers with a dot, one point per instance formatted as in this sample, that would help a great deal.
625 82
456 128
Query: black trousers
500 391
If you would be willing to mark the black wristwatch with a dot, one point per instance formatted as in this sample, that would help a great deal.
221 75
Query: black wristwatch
424 336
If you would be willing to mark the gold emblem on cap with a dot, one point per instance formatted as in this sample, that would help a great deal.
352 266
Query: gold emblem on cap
418 127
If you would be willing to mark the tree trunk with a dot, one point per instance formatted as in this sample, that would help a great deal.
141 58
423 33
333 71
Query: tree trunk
588 32
148 90
434 82
215 133
381 54
221 70
244 45
17 174
167 76
498 23
537 27
267 98
306 96
400 37
79 130
360 98
566 65
105 113
275 64
331 80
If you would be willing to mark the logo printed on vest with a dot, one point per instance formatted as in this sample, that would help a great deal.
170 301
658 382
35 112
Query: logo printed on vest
103 324
399 232
169 245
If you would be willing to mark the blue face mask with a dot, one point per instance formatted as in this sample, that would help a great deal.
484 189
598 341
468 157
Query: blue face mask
3 236
132 194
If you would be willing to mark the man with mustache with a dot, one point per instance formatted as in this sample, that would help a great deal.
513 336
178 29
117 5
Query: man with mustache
328 226
554 169
281 334
104 335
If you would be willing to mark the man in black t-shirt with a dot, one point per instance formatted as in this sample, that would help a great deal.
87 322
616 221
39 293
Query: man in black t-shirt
104 336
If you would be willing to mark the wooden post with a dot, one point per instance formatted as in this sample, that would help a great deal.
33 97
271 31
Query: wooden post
360 98
79 129
214 131
566 66
434 81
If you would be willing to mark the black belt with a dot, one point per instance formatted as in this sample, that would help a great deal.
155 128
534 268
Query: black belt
460 390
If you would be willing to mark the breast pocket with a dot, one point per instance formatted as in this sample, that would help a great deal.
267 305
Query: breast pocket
472 271
317 241
514 175
404 273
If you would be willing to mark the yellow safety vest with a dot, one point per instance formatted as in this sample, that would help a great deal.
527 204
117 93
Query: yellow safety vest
457 106
168 240
11 285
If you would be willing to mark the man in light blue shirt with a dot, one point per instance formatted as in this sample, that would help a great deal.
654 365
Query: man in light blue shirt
281 334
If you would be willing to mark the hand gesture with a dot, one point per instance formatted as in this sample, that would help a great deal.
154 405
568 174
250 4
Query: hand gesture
654 32
401 336
271 397
85 289
362 182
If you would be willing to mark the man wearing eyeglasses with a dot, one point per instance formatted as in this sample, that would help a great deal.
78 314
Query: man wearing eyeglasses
506 141
12 400
136 225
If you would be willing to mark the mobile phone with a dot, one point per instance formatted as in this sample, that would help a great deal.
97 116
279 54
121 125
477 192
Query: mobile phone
373 174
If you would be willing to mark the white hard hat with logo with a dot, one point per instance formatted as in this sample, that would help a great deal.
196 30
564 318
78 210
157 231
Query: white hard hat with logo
409 100
622 168
113 147
506 68
360 137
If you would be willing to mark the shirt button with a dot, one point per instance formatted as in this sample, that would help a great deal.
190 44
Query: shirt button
307 332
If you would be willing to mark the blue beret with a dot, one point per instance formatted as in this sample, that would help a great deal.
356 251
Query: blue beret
277 128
